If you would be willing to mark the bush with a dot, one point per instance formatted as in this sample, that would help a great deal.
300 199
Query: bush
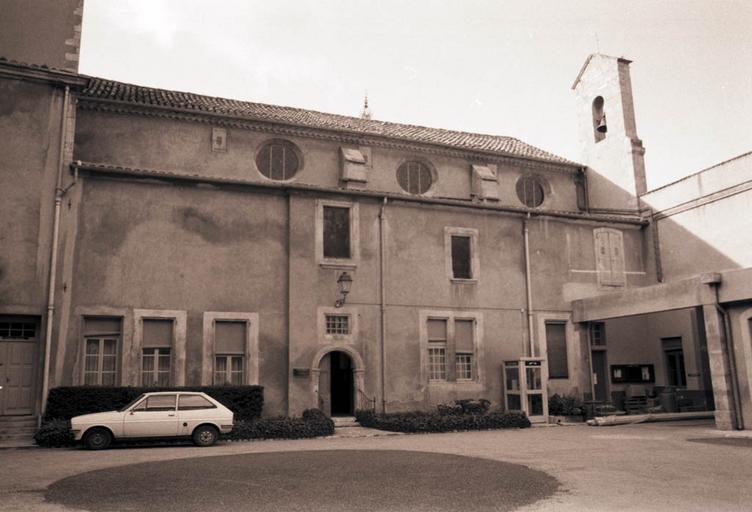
438 422
66 402
314 423
54 433
564 405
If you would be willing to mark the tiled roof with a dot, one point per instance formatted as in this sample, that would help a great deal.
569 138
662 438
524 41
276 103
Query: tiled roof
139 95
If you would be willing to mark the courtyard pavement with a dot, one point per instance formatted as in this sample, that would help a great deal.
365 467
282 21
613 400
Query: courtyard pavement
685 466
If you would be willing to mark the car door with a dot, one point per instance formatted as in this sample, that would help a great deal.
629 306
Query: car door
154 416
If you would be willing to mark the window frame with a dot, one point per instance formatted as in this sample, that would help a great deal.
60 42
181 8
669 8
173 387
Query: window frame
288 145
155 372
99 372
475 383
472 234
228 357
567 372
251 349
340 263
539 181
421 162
179 329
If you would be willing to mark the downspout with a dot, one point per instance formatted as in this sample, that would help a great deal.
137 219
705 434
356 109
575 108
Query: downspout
59 192
382 298
528 290
729 342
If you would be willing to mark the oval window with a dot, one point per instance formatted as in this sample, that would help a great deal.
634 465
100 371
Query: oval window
278 160
530 191
414 177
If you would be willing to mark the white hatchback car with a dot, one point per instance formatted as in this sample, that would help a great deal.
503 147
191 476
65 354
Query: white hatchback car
156 415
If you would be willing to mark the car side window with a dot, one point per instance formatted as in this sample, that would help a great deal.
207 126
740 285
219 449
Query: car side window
160 403
194 402
141 406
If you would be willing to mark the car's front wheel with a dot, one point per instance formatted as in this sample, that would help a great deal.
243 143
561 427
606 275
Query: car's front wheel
97 439
205 435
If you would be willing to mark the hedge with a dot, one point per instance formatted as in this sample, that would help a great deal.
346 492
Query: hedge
313 424
66 402
56 432
438 422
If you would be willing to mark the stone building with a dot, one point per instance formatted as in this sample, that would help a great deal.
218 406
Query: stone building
163 237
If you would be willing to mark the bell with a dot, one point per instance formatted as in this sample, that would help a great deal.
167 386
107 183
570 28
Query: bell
602 128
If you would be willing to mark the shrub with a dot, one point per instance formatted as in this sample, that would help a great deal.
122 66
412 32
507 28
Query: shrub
564 405
313 424
438 422
65 402
54 433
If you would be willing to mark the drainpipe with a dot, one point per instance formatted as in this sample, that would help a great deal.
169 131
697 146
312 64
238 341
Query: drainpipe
729 342
382 297
59 192
528 288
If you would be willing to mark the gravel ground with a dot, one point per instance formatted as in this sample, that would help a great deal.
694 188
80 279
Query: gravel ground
685 466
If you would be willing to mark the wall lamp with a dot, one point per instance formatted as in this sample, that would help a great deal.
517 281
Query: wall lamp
345 282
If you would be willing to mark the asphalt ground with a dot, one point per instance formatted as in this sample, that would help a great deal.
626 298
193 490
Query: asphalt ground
326 480
686 466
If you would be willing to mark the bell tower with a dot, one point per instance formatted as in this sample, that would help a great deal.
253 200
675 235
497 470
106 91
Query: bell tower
609 145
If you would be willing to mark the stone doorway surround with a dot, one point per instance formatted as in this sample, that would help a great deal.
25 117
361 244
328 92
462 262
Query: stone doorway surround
358 373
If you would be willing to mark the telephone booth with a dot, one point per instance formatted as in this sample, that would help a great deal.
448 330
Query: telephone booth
525 387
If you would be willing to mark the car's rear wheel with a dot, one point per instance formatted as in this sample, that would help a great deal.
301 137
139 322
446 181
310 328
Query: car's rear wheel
97 439
205 435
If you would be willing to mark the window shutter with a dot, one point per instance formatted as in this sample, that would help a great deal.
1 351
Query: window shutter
602 258
463 336
157 333
437 330
229 337
101 325
616 254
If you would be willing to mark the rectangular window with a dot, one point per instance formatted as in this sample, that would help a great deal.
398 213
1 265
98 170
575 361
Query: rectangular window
229 347
437 346
156 360
18 330
155 367
336 232
556 343
461 257
228 370
101 337
464 348
598 334
337 324
674 352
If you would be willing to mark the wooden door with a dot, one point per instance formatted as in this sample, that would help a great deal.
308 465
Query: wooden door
17 377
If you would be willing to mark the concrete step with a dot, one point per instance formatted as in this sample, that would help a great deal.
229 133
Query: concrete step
16 438
345 422
17 421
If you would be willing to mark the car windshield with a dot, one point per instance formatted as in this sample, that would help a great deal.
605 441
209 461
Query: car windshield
125 408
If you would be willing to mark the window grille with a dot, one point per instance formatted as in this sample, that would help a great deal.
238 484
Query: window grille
337 324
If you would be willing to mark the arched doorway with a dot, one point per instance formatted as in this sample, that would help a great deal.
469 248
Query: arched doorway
337 384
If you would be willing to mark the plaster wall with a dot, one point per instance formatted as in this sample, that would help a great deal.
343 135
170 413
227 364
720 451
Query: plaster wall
41 32
184 147
30 120
637 340
172 247
616 171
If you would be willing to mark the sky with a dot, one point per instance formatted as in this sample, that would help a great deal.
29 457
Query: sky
501 67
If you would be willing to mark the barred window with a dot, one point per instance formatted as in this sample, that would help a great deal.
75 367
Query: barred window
228 369
414 177
278 160
337 324
530 191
